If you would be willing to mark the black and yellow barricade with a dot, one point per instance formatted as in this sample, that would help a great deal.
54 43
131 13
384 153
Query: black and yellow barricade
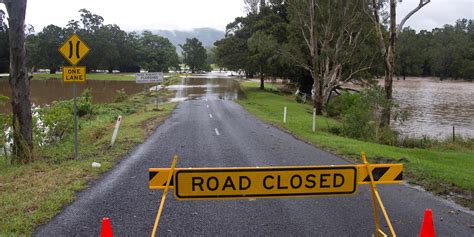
275 182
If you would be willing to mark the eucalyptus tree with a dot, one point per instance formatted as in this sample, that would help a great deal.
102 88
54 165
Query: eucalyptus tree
19 82
5 50
325 42
387 42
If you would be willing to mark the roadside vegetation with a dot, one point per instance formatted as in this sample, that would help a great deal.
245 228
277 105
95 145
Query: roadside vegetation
443 167
31 194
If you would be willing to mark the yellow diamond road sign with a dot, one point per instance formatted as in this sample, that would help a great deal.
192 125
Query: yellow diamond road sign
74 49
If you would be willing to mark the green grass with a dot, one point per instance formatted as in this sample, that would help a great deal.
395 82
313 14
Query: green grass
441 169
30 195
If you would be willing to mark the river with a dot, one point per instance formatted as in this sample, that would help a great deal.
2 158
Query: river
435 107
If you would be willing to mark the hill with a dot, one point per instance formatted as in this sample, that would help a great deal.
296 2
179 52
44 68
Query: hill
206 35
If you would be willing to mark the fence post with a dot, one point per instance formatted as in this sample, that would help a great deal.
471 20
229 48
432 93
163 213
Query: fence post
314 119
284 117
454 133
117 125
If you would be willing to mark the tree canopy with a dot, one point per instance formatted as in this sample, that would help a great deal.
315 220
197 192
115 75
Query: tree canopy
194 55
111 47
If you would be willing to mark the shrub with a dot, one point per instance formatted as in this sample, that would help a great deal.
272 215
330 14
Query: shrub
84 103
340 104
362 119
56 121
120 95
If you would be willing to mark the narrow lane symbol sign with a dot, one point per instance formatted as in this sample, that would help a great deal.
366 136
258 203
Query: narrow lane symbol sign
74 49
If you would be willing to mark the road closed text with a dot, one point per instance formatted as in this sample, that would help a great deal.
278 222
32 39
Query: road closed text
264 182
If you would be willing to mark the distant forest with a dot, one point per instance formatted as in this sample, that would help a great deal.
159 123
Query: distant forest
112 48
446 52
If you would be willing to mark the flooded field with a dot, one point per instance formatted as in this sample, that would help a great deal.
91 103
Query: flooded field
436 106
45 91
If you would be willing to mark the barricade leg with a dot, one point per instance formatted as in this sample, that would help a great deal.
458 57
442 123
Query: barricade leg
163 198
377 200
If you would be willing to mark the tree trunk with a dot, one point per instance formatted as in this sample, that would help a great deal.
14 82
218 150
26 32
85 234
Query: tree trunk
390 63
19 83
262 79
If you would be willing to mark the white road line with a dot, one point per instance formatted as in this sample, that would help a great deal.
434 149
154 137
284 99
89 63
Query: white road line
210 115
217 132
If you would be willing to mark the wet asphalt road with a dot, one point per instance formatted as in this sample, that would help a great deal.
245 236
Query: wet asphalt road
123 195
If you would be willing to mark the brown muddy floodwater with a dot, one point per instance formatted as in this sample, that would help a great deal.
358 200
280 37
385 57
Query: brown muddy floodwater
435 107
210 87
44 92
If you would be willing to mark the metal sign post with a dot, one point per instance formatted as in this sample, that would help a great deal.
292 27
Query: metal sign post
74 88
149 77
74 50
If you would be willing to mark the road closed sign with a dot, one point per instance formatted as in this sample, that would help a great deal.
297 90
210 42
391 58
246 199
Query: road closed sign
74 74
268 182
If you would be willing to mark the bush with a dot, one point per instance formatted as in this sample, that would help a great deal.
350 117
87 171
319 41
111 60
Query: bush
84 103
120 95
362 119
340 104
57 121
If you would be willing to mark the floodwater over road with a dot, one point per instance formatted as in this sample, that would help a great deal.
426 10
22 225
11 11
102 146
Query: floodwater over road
211 86
436 106
45 91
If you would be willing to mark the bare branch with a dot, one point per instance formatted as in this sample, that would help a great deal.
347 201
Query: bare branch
420 5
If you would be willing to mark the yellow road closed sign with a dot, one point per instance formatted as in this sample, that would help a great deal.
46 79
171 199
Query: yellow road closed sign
74 74
268 182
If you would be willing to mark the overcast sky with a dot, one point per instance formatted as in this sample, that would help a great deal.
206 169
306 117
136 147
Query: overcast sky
189 14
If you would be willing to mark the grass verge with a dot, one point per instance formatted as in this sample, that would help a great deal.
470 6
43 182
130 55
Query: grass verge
443 170
32 194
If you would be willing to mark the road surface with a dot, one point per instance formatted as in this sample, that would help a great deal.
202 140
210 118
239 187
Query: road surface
210 132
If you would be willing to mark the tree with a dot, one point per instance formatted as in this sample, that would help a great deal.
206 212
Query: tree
5 49
158 54
409 54
194 54
19 83
326 37
232 52
108 41
90 22
42 49
387 46
262 47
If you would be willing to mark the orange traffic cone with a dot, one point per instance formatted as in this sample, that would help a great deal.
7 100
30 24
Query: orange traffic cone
427 227
106 228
